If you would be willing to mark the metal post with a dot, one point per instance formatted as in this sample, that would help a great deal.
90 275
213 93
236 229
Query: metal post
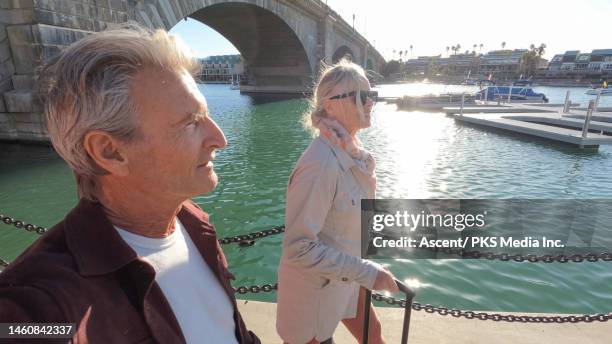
587 118
566 105
366 322
406 326
597 99
407 309
510 95
487 96
462 103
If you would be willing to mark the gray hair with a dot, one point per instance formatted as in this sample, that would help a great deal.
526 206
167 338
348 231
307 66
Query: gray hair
344 73
86 88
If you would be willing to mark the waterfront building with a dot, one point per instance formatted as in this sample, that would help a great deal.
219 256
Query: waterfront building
569 61
502 64
600 63
421 65
554 66
460 64
454 65
222 68
578 66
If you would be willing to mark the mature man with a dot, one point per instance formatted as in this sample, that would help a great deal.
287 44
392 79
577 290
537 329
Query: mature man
135 260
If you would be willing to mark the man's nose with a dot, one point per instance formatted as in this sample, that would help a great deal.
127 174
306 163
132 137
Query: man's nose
214 137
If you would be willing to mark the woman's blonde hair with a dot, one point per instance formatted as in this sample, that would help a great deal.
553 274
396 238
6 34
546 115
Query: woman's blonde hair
87 87
345 74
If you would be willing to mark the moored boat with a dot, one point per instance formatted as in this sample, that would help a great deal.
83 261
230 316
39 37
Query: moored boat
511 94
597 91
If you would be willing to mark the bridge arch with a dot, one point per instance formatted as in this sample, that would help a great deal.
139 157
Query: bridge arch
272 38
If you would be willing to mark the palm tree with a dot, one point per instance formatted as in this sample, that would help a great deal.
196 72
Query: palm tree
458 48
400 55
503 45
447 49
410 49
474 46
481 45
394 54
540 49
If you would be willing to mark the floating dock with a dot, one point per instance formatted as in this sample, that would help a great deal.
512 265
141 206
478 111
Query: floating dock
434 103
486 109
543 121
260 318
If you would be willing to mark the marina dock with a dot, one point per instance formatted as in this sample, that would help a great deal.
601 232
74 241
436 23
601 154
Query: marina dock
260 317
547 121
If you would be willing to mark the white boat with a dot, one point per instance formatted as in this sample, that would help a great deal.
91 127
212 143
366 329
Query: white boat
511 94
596 91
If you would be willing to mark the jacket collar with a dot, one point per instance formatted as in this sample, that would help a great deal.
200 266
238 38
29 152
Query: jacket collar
97 247
345 160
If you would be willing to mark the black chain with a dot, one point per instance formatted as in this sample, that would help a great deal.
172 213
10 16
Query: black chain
505 257
249 239
23 225
494 316
246 240
243 239
255 289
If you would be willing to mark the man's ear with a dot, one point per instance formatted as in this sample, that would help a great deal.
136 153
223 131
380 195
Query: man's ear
107 152
328 106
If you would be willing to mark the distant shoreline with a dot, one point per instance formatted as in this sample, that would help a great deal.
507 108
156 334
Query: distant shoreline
548 83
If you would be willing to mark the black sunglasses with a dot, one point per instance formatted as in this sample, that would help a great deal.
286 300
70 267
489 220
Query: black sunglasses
364 95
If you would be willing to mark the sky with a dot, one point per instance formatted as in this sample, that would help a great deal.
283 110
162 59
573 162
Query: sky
432 25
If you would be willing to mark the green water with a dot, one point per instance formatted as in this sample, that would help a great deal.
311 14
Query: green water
418 155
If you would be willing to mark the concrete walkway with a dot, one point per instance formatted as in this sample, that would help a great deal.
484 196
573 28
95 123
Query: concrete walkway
260 317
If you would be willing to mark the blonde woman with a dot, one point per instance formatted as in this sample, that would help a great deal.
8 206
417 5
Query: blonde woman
321 271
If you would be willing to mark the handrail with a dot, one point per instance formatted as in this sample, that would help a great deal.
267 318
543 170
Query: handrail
407 311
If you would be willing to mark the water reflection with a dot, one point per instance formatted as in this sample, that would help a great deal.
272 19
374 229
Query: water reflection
419 155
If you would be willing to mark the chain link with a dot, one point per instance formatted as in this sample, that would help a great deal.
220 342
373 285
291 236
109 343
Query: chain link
244 240
23 225
255 289
494 316
247 240
532 258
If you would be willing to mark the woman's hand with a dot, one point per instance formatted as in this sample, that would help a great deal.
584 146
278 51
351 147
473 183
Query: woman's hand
385 280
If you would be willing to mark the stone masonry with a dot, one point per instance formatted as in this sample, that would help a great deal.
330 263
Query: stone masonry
282 41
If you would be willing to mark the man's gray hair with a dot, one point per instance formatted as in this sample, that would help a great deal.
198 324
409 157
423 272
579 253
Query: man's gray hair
87 86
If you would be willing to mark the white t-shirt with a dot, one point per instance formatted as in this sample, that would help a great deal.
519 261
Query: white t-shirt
198 300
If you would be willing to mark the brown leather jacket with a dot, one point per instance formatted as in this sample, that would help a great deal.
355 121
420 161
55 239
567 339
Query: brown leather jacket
82 272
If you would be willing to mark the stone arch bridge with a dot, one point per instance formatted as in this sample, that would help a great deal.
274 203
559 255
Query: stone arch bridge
283 43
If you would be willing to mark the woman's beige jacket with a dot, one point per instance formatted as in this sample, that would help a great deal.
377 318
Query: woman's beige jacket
321 270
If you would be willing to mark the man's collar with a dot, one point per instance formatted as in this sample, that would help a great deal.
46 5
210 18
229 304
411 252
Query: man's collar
345 160
97 247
